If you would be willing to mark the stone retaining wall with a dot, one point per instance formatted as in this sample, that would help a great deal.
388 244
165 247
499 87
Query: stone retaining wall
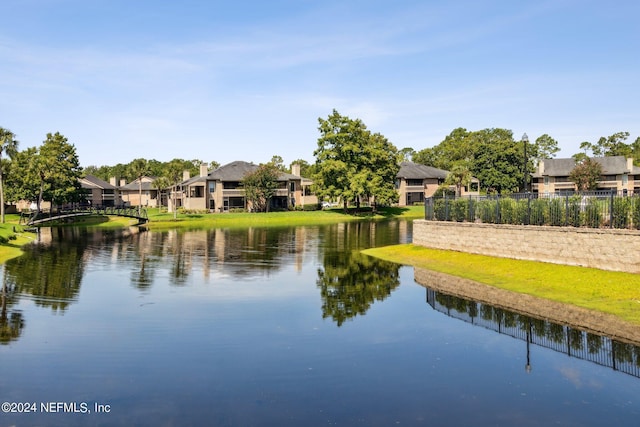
606 249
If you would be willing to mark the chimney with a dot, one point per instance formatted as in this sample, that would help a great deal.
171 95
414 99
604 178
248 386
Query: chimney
204 169
295 169
185 175
630 164
112 181
123 182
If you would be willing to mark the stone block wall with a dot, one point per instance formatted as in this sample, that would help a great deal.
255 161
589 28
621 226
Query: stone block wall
606 249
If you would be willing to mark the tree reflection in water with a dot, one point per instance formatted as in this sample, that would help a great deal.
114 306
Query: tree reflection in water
350 282
51 274
11 321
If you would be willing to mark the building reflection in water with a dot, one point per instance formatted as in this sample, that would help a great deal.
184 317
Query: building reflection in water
620 356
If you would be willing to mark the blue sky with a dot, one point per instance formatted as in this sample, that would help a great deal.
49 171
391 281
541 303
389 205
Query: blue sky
246 80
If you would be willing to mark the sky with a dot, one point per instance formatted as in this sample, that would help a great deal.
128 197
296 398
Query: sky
247 80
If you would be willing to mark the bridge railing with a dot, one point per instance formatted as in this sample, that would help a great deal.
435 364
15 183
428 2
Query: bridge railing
58 213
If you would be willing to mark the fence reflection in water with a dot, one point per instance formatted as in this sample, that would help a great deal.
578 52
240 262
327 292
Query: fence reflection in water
620 356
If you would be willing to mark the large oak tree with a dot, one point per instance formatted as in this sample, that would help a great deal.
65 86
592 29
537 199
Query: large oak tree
353 164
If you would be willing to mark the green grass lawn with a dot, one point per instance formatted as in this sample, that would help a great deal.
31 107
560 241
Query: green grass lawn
15 237
606 291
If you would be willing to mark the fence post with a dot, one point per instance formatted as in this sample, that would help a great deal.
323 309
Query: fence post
566 210
611 209
446 207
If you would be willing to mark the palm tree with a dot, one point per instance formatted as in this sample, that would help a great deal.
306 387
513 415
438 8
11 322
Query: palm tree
139 168
173 173
161 184
9 146
459 176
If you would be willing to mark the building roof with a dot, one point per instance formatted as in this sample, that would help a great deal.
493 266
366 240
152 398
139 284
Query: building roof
236 171
147 184
410 170
91 182
611 165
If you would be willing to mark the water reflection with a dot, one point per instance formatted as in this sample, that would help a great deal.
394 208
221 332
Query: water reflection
51 272
51 276
620 356
351 282
11 321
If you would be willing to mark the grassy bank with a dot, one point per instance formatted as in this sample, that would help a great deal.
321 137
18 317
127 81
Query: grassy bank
163 220
12 238
608 292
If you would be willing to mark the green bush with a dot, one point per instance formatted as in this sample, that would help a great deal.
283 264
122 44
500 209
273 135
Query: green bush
538 209
459 210
574 216
311 207
593 213
440 209
636 212
555 211
621 212
487 211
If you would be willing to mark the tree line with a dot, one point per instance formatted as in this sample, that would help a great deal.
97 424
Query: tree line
351 164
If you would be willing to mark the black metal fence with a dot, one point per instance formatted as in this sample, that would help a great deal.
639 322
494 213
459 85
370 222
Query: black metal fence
593 209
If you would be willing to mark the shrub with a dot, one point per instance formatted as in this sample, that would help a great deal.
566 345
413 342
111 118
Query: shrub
459 210
636 212
574 216
621 212
555 212
311 207
487 211
440 210
593 213
538 208
509 211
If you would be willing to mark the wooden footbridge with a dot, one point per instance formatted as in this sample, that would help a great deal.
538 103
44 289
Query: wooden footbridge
43 217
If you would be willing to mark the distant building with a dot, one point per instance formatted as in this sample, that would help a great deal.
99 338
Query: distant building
130 193
97 192
221 189
415 182
618 174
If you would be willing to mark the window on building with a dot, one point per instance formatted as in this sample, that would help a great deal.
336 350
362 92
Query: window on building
292 186
212 186
231 185
197 191
414 182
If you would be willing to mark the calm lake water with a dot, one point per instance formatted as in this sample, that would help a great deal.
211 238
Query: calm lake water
282 327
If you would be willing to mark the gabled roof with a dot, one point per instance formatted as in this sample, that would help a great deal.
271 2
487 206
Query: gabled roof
410 170
147 184
611 165
194 180
236 171
91 182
